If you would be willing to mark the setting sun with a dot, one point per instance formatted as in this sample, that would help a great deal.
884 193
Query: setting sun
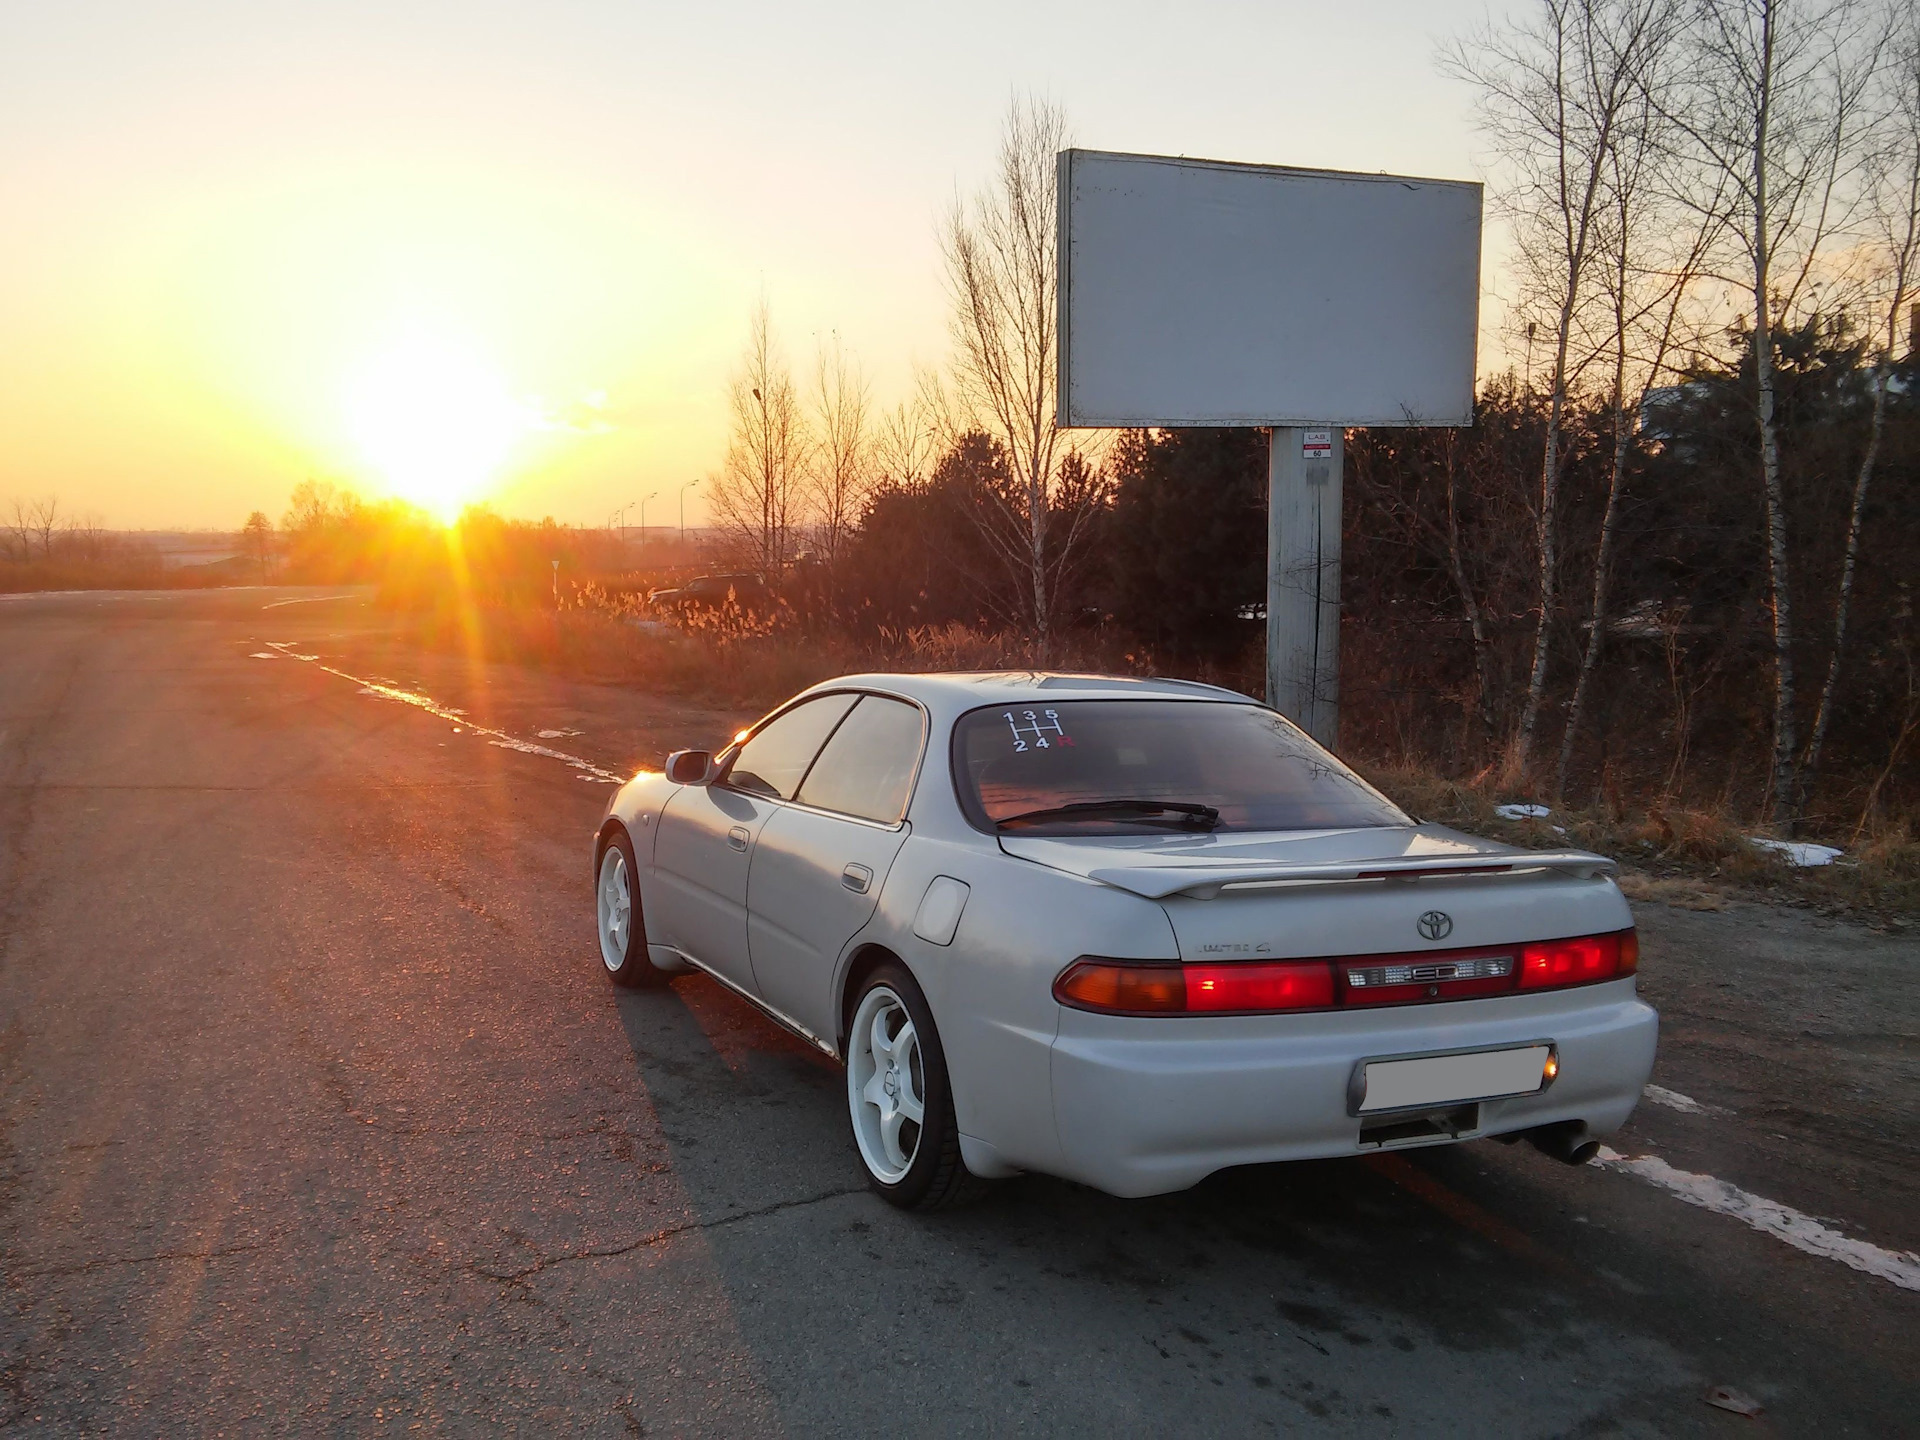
434 419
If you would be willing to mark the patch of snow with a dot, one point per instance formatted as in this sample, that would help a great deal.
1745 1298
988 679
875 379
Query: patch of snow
1674 1100
557 734
263 655
1801 853
1769 1217
1522 812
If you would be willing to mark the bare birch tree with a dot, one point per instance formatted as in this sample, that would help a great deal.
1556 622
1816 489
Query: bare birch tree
1000 253
1778 108
1649 259
840 469
1893 219
756 496
1553 92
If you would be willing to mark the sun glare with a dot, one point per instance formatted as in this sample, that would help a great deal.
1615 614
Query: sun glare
435 420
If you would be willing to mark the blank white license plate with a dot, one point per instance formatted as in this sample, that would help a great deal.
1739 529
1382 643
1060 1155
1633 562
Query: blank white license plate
1433 1080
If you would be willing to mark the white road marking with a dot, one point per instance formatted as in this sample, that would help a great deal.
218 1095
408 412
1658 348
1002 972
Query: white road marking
1674 1100
305 600
445 712
1770 1217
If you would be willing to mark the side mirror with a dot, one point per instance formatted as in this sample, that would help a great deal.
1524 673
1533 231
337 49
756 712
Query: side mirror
689 767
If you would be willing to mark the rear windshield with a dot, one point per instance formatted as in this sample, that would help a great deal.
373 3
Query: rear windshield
1190 765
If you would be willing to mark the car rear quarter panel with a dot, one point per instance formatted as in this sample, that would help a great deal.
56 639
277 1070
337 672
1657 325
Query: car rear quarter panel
991 989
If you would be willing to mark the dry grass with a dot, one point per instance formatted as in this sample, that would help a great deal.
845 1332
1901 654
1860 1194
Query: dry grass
728 658
1671 890
1679 856
1687 857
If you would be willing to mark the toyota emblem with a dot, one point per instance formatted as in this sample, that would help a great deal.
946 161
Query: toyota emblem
1435 924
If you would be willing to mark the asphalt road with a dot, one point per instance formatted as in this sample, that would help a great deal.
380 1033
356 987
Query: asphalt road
317 1116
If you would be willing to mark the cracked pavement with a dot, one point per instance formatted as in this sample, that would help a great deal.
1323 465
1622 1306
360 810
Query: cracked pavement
316 1117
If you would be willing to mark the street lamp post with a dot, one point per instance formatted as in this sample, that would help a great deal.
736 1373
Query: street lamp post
683 514
620 516
643 521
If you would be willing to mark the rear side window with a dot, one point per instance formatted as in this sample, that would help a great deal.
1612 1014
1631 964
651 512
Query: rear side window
774 760
867 767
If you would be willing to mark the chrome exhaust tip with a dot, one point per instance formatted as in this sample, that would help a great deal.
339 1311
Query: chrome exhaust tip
1567 1142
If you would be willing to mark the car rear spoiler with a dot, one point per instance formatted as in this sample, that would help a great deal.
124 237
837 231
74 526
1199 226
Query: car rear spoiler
1157 882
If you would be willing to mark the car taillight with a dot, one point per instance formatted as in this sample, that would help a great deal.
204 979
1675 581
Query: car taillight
1126 989
1258 985
1584 961
1165 987
1120 987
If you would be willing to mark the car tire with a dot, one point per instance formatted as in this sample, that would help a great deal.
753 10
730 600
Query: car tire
895 1067
618 922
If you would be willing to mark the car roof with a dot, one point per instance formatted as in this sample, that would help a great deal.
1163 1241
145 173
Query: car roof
951 693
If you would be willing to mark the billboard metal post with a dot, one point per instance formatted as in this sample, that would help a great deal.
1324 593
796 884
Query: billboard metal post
1303 578
1199 292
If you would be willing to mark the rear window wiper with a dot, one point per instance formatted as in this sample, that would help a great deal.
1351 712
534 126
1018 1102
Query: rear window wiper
1179 812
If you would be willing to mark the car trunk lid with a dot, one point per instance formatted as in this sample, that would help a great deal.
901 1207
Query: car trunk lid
1344 892
1207 866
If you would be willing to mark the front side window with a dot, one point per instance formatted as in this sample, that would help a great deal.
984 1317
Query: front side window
1137 767
867 767
776 758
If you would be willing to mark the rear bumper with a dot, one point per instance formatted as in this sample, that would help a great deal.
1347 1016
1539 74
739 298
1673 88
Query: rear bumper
1148 1105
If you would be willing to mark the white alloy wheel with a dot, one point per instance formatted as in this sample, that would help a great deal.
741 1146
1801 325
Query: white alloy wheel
615 898
886 1085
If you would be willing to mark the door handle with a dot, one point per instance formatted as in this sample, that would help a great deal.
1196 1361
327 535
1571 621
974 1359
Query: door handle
737 838
856 878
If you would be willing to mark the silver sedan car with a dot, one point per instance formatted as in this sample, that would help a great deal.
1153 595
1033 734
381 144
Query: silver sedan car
1125 931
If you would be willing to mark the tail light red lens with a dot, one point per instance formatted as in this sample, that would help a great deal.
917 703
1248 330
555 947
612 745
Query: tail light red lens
1549 963
1134 987
1163 989
1255 985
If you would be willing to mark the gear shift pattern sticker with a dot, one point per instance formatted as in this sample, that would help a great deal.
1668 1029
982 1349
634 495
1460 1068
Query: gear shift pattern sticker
1038 725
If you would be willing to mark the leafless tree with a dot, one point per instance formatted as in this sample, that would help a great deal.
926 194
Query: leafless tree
35 520
906 445
1649 254
1554 91
840 471
1000 255
15 533
1893 237
756 496
1778 108
256 543
314 504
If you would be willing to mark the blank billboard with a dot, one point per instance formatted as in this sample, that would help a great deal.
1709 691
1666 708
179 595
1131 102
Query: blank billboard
1194 292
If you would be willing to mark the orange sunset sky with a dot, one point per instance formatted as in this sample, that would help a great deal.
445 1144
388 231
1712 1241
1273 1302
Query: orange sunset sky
506 253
